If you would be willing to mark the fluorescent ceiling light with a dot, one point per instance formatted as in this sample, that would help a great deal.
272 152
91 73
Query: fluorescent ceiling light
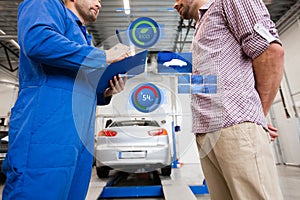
126 7
11 41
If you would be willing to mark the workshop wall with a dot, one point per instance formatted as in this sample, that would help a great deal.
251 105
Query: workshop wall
285 109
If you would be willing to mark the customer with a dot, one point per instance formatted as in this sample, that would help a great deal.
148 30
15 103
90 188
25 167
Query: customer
50 136
236 41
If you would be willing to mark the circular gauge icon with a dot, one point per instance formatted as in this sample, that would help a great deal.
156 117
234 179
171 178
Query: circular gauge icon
144 32
146 97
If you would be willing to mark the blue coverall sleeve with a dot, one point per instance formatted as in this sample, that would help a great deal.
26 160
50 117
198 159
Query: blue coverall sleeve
47 35
44 40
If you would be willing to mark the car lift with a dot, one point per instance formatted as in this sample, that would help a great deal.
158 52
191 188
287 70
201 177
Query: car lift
151 184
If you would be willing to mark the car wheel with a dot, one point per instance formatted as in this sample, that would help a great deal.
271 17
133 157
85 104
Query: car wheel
102 172
166 171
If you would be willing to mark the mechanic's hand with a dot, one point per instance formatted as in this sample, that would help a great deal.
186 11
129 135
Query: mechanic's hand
273 132
110 60
117 53
116 86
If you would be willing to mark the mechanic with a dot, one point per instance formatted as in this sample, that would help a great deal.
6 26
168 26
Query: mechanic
50 137
236 41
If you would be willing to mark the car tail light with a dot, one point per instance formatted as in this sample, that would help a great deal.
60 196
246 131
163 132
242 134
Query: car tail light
107 133
158 132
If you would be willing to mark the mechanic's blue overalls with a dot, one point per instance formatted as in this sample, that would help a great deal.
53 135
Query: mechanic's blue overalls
52 123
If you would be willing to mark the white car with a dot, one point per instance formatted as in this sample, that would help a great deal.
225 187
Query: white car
134 146
175 62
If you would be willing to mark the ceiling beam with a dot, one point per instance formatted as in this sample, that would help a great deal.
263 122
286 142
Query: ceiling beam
8 37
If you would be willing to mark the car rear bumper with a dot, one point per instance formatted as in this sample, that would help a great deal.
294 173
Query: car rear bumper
133 158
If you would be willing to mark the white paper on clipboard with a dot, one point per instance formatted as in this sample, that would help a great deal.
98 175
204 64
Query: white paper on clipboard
117 51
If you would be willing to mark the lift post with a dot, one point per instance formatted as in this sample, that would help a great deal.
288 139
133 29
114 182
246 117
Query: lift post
175 162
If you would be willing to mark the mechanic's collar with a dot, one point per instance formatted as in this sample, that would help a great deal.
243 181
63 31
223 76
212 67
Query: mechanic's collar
76 19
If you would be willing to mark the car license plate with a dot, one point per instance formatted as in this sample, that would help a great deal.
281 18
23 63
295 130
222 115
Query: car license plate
132 154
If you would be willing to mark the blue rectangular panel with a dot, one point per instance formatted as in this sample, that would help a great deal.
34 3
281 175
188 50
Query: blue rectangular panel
184 79
184 89
197 79
204 89
199 189
197 89
132 191
210 89
170 62
210 79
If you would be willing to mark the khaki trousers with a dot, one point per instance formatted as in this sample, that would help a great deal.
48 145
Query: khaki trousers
238 164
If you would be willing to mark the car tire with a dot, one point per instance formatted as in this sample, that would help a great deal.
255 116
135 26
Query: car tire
166 171
102 172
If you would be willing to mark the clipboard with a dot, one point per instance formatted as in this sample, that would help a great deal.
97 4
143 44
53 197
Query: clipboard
133 65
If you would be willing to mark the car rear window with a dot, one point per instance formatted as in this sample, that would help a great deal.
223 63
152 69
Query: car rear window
134 123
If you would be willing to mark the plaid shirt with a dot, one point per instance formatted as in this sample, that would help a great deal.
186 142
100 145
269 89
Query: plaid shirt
225 43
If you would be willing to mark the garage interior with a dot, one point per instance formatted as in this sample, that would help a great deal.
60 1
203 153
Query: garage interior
178 35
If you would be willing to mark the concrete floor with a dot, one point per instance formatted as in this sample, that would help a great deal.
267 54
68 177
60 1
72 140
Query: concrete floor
191 175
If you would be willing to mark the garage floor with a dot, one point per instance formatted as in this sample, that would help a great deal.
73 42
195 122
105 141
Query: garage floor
191 175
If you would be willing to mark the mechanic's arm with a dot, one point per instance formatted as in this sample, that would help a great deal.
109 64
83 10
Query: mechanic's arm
43 38
268 71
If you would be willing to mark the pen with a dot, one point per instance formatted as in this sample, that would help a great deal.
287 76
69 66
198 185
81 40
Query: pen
118 35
